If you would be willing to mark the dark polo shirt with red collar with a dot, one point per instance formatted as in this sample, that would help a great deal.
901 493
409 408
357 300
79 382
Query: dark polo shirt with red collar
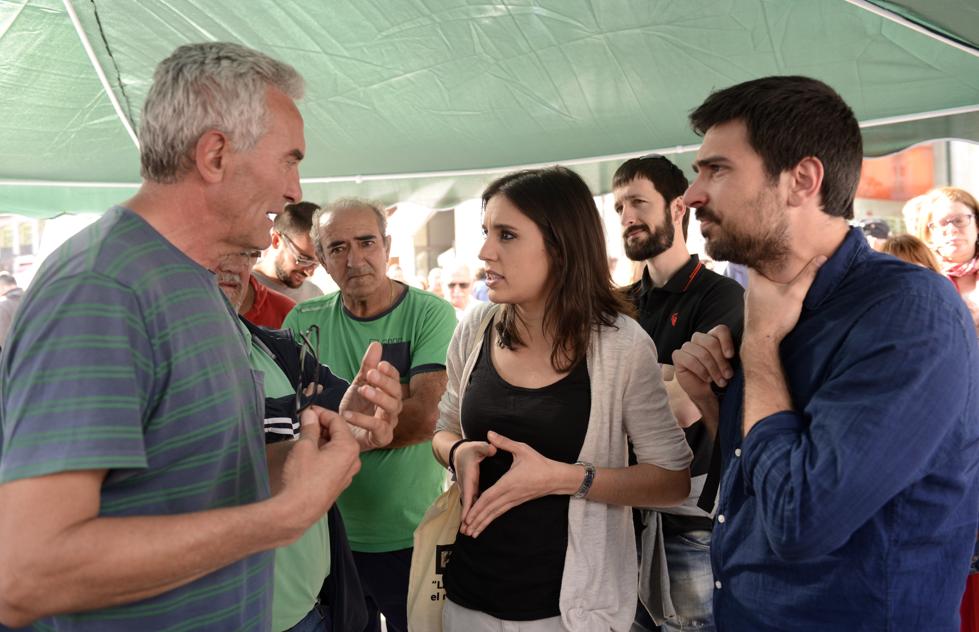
695 299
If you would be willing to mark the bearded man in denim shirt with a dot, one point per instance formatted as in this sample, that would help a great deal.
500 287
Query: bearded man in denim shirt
849 489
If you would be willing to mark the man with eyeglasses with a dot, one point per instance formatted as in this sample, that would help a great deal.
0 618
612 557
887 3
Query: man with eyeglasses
676 297
256 303
459 289
286 265
395 486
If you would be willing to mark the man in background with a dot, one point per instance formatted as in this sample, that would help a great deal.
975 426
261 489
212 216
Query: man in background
395 486
256 303
286 265
676 297
458 289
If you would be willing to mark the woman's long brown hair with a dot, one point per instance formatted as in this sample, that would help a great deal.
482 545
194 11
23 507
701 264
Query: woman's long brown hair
581 297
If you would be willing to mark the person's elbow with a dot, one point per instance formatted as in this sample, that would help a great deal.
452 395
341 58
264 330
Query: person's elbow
674 489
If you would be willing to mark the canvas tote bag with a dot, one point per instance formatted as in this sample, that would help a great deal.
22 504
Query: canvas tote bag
434 537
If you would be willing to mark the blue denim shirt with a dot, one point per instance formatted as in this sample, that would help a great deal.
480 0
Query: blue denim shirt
856 510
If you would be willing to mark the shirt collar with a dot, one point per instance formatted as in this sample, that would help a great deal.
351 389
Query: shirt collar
679 282
852 250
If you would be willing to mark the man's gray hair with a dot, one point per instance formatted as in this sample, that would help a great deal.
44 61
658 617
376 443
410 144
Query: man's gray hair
207 86
321 216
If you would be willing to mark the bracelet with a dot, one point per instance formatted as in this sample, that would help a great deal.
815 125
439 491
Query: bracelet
589 479
450 464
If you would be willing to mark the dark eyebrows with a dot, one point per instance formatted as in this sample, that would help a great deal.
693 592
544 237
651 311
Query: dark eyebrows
358 238
709 160
505 227
298 155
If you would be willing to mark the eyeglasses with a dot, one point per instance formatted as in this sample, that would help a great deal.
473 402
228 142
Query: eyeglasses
456 284
302 260
309 358
959 221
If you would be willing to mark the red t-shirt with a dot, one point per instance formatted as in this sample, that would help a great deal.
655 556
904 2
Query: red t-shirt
270 307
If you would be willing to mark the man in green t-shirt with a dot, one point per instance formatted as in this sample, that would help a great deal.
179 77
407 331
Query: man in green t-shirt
302 567
395 486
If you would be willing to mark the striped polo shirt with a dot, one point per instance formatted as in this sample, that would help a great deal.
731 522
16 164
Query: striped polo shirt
126 357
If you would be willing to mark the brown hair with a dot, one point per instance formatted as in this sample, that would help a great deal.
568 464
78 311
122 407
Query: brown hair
581 296
911 249
788 119
928 200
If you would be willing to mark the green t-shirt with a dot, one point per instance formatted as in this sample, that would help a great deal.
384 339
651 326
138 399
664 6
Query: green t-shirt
390 494
301 567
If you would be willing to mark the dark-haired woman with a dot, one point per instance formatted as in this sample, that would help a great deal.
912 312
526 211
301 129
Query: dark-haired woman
545 386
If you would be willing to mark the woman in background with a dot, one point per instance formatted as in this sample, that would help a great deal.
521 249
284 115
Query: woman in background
948 223
911 249
545 386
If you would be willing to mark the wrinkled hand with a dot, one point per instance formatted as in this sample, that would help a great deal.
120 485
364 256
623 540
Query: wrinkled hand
321 463
467 458
531 476
705 358
372 403
772 309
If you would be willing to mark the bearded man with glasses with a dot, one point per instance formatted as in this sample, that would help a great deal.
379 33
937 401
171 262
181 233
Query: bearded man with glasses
287 264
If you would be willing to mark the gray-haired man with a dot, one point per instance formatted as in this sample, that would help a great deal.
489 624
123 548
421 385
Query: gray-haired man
133 479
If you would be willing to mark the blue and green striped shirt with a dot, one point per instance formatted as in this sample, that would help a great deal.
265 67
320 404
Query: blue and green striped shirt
126 357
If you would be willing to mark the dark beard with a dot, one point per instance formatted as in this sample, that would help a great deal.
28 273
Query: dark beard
284 277
766 251
657 242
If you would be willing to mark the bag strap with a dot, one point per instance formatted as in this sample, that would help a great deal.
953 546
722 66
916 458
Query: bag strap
481 330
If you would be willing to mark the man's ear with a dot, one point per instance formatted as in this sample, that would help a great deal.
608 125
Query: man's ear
677 209
211 156
805 181
387 246
275 239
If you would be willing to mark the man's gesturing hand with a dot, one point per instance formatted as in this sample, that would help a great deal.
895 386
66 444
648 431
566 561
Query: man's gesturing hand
372 403
320 465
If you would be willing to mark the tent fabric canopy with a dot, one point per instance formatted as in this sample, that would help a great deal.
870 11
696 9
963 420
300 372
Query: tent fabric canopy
427 101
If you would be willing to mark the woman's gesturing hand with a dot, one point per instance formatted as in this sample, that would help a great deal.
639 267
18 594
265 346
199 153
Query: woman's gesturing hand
531 476
467 458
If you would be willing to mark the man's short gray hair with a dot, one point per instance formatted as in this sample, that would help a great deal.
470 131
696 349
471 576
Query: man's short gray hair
322 216
207 86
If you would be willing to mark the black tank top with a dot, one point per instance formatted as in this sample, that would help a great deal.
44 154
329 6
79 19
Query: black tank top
513 569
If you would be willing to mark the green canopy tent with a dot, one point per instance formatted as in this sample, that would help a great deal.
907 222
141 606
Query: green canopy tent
426 101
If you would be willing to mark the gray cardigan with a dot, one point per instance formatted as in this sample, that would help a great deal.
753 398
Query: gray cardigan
598 589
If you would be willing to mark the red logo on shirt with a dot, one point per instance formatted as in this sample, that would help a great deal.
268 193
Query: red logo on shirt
673 318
